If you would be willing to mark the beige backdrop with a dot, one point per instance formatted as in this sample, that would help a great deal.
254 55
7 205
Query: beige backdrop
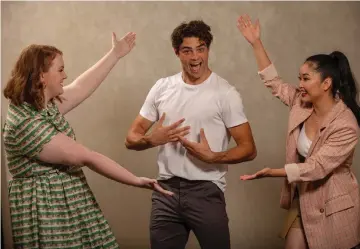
291 31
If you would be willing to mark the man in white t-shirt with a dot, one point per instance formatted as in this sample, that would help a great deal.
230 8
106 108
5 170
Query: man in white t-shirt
197 113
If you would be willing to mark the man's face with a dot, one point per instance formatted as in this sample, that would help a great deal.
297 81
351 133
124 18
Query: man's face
194 56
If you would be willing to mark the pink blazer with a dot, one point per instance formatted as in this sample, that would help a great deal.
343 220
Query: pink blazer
328 189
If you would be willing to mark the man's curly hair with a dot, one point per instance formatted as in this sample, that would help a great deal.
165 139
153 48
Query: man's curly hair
195 28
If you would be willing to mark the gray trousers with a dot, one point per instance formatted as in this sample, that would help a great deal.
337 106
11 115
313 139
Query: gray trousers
197 206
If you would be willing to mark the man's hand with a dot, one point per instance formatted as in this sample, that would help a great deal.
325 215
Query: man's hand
200 150
163 134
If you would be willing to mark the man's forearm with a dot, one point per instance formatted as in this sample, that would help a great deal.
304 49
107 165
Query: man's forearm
136 141
238 154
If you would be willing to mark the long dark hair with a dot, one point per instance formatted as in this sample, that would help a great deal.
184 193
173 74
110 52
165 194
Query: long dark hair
336 66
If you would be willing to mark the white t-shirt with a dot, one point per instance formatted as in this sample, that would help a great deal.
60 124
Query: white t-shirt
213 105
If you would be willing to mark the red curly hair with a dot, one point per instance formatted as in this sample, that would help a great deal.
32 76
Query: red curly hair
24 83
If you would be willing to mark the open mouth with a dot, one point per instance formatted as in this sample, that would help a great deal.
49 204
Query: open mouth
303 93
195 67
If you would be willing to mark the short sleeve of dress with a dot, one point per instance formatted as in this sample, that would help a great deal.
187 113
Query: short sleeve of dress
32 133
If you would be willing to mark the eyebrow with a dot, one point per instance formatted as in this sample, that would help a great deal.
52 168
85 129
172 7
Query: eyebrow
201 45
305 74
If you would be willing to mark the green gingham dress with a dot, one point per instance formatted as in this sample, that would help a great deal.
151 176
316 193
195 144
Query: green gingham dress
51 205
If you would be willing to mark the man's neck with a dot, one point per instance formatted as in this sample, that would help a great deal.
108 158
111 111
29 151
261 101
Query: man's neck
196 81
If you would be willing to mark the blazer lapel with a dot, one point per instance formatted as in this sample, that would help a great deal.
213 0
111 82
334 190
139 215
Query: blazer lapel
298 115
335 111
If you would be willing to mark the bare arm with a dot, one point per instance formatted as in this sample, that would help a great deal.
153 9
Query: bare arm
245 149
137 139
265 172
63 150
84 85
284 91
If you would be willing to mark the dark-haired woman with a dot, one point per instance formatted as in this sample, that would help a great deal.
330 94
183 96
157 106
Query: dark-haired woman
320 190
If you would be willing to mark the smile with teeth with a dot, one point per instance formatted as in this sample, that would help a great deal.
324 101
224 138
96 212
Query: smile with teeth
303 93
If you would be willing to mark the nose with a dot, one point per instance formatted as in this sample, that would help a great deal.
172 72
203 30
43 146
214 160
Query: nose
65 76
194 55
301 84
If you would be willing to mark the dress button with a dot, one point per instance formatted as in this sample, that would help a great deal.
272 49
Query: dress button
322 210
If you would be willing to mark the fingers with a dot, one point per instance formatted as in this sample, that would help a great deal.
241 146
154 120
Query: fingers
158 188
176 124
247 177
174 134
242 18
202 136
189 146
130 38
179 130
114 37
182 134
183 131
241 23
257 24
238 21
244 21
186 143
259 174
247 20
182 140
161 120
176 138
